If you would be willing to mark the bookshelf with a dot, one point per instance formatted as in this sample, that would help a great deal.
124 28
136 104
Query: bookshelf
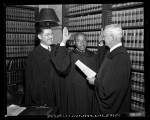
20 35
89 18
130 16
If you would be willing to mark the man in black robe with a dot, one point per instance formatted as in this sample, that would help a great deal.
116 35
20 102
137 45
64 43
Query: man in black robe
112 83
41 79
79 96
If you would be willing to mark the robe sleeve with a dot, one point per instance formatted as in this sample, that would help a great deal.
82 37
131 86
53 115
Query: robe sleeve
100 55
28 81
111 85
61 60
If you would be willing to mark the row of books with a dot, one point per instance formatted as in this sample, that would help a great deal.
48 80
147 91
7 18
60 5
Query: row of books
17 51
20 14
137 77
92 37
137 106
125 4
84 22
16 64
15 88
137 86
137 97
15 77
137 59
133 38
73 9
15 26
130 17
12 88
19 39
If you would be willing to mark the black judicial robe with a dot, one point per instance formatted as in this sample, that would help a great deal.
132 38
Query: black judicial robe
79 95
41 80
112 85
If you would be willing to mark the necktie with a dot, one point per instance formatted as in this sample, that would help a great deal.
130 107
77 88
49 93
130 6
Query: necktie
49 48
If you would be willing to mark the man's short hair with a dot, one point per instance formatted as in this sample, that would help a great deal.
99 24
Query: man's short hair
40 30
114 29
79 34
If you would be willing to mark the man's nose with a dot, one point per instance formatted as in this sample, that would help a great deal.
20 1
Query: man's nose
50 36
83 43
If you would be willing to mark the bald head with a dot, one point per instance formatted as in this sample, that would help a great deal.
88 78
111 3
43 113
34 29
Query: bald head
80 34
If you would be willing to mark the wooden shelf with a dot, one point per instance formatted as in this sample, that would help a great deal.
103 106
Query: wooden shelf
20 44
135 48
16 57
92 47
15 70
84 14
18 20
133 27
128 6
13 84
20 32
22 7
137 91
137 70
85 30
137 101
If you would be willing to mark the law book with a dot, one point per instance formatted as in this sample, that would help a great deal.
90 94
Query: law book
86 70
14 110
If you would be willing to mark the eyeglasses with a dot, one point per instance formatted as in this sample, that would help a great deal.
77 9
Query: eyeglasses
48 34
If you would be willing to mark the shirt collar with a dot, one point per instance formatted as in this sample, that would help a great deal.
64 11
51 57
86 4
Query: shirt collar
80 50
114 47
44 46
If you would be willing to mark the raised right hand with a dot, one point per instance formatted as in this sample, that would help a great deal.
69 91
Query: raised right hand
66 35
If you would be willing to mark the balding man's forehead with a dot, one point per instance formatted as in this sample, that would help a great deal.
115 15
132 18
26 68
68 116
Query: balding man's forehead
79 35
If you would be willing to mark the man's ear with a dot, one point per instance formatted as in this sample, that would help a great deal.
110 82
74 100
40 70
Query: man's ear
73 42
39 36
113 37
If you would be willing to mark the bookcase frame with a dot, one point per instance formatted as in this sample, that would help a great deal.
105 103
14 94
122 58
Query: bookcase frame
19 42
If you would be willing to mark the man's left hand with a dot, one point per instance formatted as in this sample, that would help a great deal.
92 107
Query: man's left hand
91 80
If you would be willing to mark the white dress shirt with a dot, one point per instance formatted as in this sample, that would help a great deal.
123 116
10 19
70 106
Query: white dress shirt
62 44
114 47
45 46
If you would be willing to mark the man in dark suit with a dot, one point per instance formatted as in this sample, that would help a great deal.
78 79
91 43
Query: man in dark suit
112 83
41 79
79 96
